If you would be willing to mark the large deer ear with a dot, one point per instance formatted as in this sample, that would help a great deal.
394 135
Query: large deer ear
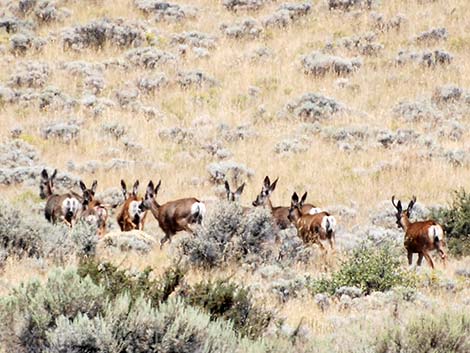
240 190
266 182
273 185
227 188
44 175
54 174
304 198
135 188
124 188
149 194
399 206
158 187
295 199
94 186
82 186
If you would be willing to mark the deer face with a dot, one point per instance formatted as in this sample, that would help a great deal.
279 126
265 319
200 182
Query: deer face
233 196
46 184
296 207
401 214
88 194
149 201
266 191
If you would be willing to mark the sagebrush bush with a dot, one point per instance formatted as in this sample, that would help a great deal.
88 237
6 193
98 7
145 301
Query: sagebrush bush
117 281
71 313
228 235
227 300
32 309
444 332
456 220
368 268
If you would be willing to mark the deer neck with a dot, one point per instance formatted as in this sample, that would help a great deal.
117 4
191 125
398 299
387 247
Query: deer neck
269 204
405 222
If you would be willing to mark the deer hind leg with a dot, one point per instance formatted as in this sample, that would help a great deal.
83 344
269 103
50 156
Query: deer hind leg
184 225
420 258
429 259
166 238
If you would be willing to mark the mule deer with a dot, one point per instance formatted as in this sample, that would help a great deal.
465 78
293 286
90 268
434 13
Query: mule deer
420 237
312 228
133 213
93 212
173 216
63 207
280 213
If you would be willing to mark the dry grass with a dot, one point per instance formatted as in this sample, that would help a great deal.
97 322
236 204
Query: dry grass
324 171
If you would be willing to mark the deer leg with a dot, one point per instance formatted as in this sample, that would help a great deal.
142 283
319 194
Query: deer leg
420 258
167 237
429 259
410 258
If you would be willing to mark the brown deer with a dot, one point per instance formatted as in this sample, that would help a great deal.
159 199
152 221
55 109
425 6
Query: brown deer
93 211
420 237
312 228
64 208
280 213
173 216
133 213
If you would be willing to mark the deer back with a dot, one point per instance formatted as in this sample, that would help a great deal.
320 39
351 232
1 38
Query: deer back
174 215
423 235
96 213
131 215
62 207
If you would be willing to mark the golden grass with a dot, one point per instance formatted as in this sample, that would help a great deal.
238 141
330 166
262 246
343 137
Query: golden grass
324 171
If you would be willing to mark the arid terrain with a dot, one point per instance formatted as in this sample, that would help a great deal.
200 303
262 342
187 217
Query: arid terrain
353 101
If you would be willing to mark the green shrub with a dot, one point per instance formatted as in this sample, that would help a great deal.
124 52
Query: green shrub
446 332
369 268
227 300
116 281
456 221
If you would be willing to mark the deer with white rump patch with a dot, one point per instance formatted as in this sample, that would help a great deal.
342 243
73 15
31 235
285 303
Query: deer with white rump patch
280 213
312 228
64 208
94 212
420 237
133 213
173 216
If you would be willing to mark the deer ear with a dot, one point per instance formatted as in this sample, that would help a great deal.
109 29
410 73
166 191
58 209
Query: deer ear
240 189
273 185
135 188
82 185
158 187
304 198
124 188
94 186
149 194
266 182
399 206
227 187
54 174
295 198
44 174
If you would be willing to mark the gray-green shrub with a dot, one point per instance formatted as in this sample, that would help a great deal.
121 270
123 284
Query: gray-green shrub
443 332
456 220
368 268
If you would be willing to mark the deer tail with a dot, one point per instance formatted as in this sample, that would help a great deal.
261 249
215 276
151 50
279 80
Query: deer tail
198 210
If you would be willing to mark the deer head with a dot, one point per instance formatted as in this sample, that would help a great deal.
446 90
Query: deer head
266 191
233 196
88 194
403 213
150 203
46 184
295 210
134 192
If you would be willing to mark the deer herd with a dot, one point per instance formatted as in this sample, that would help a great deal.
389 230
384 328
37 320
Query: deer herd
313 224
